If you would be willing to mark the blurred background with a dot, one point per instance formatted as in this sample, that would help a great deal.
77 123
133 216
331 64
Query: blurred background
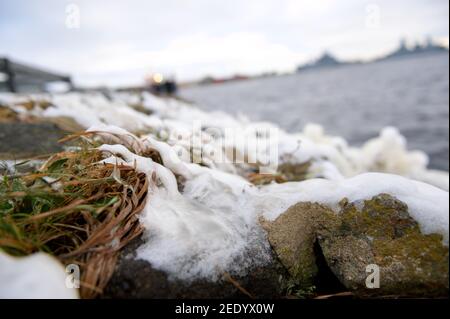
353 66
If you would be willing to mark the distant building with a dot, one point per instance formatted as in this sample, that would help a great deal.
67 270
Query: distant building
17 78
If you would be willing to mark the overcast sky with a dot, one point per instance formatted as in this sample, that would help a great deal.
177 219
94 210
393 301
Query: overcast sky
119 42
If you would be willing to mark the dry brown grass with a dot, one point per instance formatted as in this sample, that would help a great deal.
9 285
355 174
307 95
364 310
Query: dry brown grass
83 215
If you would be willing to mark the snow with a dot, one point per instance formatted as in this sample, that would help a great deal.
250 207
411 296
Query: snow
386 153
172 118
142 164
212 225
11 167
202 232
427 204
94 109
38 276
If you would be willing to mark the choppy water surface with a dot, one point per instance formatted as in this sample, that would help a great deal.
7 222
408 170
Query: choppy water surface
353 101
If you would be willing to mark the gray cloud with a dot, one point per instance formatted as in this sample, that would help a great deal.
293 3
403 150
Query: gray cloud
121 41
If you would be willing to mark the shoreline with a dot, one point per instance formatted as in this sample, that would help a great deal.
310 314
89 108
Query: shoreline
213 203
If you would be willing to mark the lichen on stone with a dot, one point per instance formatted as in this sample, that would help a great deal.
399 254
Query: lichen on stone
379 231
383 233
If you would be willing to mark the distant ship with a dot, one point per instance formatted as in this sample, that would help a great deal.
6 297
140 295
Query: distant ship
325 61
404 51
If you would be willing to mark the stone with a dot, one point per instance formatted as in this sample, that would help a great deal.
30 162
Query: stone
381 232
292 236
23 140
137 279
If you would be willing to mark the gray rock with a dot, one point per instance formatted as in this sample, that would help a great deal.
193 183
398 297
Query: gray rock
137 279
377 232
383 233
23 140
292 236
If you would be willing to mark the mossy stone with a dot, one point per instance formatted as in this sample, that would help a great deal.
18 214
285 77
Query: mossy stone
292 236
381 232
